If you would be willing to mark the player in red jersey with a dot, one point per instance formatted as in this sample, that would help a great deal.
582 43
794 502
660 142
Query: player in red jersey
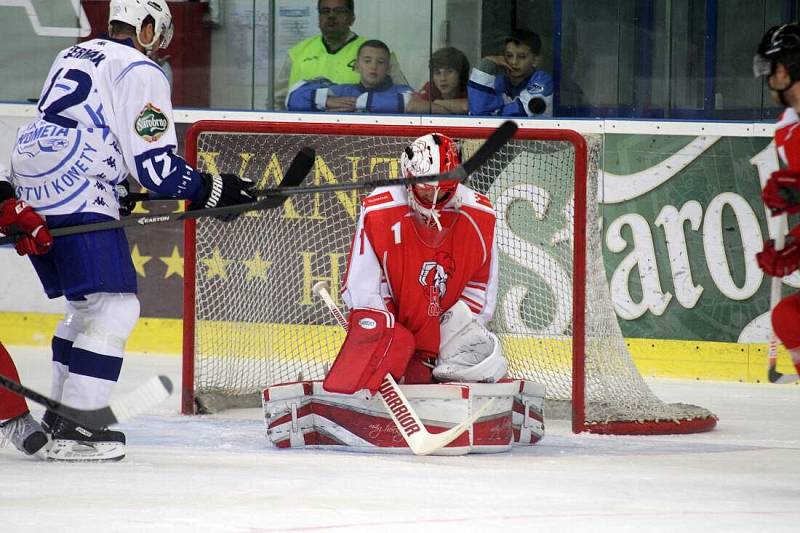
778 58
427 255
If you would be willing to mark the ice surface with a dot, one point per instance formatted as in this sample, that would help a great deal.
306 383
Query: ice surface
215 473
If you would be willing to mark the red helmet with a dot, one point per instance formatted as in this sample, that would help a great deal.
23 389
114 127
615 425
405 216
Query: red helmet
430 154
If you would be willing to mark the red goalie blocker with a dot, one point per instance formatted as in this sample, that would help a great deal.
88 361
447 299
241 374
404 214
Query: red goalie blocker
376 345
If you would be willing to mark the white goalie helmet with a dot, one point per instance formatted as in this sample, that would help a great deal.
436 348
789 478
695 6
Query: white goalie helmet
134 12
430 154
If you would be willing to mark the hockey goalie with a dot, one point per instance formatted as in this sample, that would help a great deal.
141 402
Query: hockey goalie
421 285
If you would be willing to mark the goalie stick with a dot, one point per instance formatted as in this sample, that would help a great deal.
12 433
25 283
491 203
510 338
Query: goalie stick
419 439
295 174
146 396
781 225
491 146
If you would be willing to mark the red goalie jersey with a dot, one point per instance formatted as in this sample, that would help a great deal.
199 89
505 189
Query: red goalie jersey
400 263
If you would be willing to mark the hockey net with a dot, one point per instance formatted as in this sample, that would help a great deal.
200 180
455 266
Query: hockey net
251 319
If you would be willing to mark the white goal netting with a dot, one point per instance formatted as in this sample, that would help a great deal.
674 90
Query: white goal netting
257 322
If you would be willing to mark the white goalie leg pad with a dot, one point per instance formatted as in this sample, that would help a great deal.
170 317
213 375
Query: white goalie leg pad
528 418
300 415
468 352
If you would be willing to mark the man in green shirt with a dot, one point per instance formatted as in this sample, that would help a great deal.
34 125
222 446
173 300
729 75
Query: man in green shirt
331 55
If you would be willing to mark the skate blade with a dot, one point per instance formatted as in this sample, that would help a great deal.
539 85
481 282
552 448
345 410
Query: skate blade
85 452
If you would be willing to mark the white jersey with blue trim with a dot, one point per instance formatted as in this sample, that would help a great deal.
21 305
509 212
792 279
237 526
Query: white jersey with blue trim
105 112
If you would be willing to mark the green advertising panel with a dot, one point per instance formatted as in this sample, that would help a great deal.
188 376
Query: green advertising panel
683 220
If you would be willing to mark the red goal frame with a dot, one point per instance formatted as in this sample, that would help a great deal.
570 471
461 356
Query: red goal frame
579 423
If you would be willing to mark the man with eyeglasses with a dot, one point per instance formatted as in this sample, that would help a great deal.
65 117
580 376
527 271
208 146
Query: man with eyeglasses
331 55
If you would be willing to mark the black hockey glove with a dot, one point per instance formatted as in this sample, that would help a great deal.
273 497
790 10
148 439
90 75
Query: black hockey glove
222 190
126 204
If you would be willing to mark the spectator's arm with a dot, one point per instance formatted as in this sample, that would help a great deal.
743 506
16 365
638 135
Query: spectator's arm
452 106
308 96
482 97
392 100
418 105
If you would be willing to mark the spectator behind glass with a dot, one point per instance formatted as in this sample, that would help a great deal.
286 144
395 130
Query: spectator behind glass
509 85
375 92
330 55
446 93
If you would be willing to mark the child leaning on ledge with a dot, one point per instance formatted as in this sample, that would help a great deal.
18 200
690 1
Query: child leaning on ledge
375 93
510 85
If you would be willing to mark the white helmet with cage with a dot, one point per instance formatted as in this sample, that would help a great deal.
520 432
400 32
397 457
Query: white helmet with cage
430 154
134 12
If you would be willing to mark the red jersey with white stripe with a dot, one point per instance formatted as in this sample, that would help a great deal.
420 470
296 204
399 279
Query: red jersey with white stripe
418 272
786 314
787 138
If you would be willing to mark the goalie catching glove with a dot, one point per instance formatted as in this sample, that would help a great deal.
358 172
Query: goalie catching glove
782 192
376 345
223 190
468 352
779 263
18 217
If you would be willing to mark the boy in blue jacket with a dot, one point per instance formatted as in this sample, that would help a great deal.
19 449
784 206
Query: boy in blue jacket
375 93
510 85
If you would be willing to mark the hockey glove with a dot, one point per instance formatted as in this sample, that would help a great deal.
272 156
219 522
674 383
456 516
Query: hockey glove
782 192
18 217
126 204
375 345
780 263
222 190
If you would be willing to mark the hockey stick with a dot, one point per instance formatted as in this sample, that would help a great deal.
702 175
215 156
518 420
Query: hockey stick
418 438
781 225
147 395
491 146
295 174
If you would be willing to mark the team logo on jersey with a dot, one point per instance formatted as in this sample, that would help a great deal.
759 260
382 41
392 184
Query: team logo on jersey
151 123
53 145
433 277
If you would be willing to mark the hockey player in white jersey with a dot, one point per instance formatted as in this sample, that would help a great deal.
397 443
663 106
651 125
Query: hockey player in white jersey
104 113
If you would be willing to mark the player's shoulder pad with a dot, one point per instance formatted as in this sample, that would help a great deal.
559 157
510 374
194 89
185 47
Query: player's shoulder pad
383 197
131 66
472 198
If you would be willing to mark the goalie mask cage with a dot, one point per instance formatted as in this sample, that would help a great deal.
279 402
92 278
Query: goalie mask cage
251 319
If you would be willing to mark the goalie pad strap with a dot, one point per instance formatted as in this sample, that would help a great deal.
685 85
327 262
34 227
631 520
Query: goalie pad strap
375 345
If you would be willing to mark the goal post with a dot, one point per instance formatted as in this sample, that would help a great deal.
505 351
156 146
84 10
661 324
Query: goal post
250 320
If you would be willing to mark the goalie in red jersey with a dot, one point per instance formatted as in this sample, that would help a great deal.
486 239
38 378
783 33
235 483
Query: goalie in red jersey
778 58
423 267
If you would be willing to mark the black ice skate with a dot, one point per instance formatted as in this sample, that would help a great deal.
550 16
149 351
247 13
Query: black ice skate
49 421
74 443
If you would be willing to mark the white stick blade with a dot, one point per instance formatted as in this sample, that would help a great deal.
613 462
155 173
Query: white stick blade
428 443
148 395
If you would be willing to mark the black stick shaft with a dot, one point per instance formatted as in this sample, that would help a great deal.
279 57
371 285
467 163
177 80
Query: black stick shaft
491 146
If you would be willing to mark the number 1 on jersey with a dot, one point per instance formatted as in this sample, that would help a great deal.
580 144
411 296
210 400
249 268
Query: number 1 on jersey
396 230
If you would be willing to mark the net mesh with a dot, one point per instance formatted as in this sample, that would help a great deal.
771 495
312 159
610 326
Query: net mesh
258 322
